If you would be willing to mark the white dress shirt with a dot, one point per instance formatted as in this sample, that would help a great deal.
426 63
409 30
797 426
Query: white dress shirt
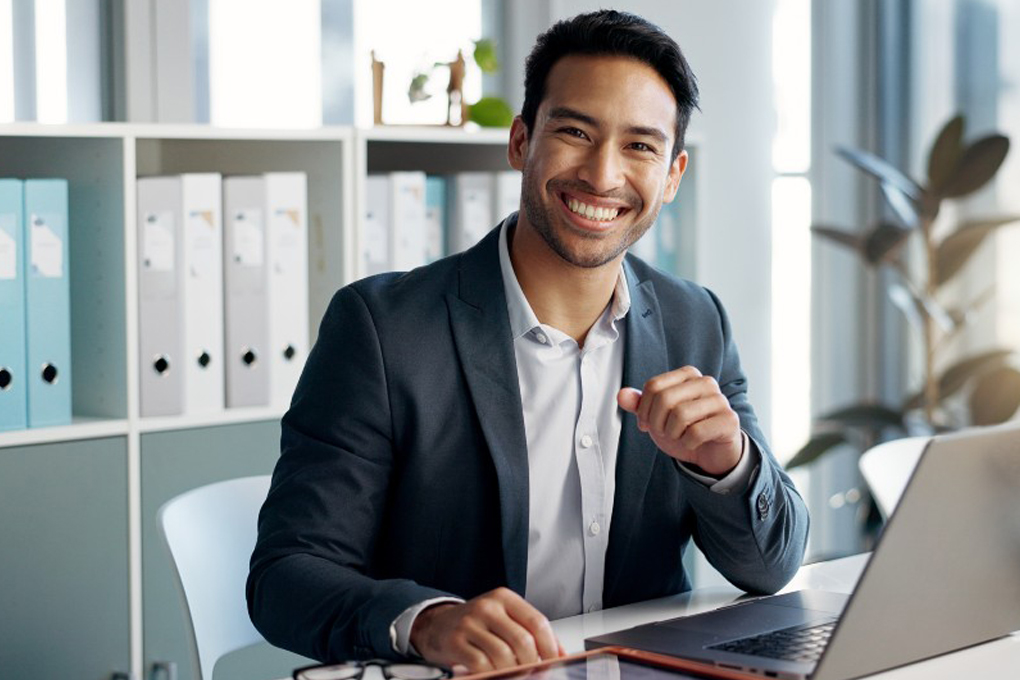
572 425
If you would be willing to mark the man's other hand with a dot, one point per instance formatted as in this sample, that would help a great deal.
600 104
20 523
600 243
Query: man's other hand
495 630
688 418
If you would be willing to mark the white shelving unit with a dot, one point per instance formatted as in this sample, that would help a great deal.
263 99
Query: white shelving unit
153 458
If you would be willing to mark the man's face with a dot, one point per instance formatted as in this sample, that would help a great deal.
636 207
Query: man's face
596 167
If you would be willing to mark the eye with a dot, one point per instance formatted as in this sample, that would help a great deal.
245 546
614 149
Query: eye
573 132
641 146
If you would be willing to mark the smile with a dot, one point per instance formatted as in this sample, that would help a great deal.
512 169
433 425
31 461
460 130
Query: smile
595 213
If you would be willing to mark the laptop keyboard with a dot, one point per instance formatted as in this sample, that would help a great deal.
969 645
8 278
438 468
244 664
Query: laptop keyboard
790 644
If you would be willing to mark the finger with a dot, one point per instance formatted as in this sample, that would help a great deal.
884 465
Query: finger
536 624
718 428
520 640
628 398
694 411
680 396
657 386
492 652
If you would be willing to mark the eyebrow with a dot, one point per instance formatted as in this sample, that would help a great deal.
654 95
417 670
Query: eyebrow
565 112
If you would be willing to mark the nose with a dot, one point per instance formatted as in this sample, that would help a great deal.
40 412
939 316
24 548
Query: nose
602 169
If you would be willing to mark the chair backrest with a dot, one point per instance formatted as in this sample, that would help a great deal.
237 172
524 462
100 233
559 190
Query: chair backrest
887 468
211 532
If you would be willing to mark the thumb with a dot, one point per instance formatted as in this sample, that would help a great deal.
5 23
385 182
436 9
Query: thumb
628 398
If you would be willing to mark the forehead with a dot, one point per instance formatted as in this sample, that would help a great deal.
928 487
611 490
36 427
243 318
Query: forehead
610 87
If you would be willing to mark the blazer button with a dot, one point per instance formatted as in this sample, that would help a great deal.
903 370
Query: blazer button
763 506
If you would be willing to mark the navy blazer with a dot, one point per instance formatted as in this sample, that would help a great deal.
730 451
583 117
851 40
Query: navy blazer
404 466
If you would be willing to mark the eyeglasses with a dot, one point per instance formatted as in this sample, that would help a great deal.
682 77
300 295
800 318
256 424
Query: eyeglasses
354 670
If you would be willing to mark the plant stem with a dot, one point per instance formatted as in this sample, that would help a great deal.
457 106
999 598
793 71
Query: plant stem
931 383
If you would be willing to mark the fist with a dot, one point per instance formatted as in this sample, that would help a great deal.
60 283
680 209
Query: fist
688 418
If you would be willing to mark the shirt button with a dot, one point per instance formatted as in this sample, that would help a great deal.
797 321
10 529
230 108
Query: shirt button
594 528
587 441
541 338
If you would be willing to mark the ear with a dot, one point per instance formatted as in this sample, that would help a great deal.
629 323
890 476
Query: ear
676 173
517 151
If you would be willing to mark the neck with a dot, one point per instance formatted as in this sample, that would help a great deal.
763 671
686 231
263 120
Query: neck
562 295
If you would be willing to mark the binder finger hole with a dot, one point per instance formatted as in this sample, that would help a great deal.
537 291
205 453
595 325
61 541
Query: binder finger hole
49 374
161 365
249 357
6 379
289 353
204 359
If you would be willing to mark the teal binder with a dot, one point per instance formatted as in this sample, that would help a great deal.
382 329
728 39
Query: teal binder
13 387
48 302
436 218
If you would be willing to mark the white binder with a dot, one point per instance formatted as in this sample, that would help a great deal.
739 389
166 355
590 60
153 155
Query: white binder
471 208
287 285
181 294
375 227
408 225
246 305
160 340
202 271
506 186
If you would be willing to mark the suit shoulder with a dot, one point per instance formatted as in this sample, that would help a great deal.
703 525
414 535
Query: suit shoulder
673 290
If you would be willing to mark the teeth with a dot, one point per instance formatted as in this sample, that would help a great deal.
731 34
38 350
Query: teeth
599 214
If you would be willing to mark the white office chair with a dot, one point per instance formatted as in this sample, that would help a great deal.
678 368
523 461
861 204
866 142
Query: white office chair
210 532
887 468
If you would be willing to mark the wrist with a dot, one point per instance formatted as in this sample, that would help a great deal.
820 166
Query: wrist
422 624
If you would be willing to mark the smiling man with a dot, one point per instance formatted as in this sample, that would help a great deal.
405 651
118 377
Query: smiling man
536 427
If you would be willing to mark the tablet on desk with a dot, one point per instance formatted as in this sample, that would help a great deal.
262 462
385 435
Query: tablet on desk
615 663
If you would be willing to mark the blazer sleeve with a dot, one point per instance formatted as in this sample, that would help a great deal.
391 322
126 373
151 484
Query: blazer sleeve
310 588
756 539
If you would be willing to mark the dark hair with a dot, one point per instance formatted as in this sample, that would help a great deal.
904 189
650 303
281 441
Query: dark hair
609 32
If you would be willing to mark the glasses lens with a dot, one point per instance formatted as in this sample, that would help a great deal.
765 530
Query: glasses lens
341 671
410 671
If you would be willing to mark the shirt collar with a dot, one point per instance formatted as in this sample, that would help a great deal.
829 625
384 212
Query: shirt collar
522 316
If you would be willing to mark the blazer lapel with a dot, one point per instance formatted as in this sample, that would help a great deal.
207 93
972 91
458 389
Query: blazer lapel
644 357
482 336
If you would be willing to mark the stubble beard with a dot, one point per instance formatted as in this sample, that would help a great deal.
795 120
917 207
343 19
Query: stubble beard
541 218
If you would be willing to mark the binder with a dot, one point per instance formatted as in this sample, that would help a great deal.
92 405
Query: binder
435 217
47 302
471 209
407 220
287 286
13 383
246 306
181 294
202 271
507 194
160 291
375 226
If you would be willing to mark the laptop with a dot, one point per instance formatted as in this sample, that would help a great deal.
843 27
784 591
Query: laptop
943 576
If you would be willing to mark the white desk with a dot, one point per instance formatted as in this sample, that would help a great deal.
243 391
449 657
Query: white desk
999 658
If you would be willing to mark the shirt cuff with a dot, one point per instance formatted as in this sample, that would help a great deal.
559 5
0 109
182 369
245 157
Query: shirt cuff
737 478
400 629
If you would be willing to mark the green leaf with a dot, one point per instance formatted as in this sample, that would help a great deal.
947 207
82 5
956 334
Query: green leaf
843 238
883 170
945 153
872 416
978 164
491 112
883 241
996 396
960 246
485 55
815 447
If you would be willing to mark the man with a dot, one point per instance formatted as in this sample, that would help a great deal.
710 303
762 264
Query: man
535 427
